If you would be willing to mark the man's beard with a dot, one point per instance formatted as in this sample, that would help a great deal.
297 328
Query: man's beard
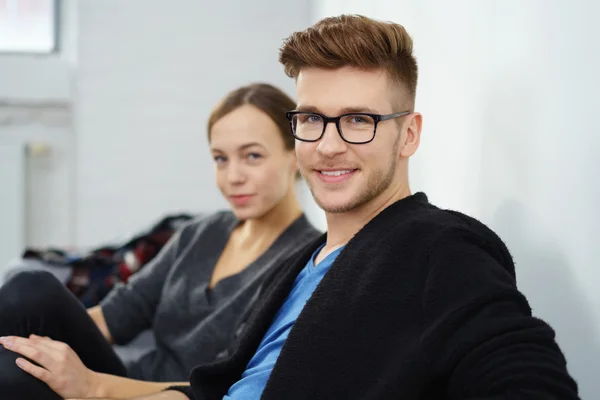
377 183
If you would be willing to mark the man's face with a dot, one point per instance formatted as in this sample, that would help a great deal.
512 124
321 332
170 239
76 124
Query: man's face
342 176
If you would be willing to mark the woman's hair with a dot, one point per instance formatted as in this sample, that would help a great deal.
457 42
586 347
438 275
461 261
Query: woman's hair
267 98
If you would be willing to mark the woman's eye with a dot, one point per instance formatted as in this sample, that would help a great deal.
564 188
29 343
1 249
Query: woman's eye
254 156
219 159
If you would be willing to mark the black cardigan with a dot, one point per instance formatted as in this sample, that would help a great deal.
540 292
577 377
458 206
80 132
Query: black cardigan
421 304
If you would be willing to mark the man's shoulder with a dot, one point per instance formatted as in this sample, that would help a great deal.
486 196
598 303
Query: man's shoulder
430 238
452 234
432 220
428 227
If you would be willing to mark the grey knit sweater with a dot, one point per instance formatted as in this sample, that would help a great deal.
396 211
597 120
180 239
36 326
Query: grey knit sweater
193 324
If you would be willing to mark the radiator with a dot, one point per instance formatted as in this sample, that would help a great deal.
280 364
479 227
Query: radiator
12 201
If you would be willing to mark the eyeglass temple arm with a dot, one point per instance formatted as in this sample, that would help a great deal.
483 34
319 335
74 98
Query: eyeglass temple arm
395 115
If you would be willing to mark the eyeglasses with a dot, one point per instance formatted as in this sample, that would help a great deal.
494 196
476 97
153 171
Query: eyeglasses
354 128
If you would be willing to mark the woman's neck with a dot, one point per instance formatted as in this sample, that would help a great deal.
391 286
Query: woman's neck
273 223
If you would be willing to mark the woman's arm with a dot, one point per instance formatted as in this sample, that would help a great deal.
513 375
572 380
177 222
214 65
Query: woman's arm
129 309
57 365
167 395
97 316
116 387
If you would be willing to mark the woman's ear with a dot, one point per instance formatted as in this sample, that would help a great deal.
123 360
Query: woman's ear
293 164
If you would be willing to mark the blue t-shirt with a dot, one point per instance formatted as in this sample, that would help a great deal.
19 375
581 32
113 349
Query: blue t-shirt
258 370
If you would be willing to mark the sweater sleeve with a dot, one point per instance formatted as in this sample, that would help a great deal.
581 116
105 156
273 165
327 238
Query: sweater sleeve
129 309
479 335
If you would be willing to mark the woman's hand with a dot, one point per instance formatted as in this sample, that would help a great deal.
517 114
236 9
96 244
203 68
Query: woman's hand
58 365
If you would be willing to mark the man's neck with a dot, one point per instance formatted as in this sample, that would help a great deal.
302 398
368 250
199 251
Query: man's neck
341 227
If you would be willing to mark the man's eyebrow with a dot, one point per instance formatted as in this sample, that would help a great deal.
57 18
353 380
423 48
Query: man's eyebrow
311 109
345 110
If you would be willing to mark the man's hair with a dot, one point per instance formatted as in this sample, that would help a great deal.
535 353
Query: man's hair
267 98
354 41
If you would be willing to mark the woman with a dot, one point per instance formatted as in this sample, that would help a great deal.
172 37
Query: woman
193 295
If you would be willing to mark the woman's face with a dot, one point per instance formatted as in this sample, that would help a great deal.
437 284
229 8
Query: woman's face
253 169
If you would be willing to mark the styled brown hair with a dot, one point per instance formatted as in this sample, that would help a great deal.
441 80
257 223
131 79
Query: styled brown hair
355 41
267 98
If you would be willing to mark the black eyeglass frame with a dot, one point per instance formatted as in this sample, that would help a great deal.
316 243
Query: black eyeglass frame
377 118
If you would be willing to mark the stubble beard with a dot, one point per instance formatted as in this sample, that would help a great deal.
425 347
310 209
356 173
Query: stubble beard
377 183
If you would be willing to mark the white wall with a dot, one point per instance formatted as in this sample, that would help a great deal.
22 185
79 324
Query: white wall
12 210
509 92
123 104
49 177
149 72
35 108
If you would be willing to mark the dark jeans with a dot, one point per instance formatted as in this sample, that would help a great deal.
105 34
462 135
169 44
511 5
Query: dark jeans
35 302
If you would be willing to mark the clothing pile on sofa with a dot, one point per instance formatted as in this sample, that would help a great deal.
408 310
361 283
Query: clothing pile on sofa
93 273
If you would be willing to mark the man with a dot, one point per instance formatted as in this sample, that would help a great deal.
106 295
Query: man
400 300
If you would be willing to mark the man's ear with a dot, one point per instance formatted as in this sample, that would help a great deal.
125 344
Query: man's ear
412 135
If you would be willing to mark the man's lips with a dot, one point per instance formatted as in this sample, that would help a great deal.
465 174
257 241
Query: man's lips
337 175
336 172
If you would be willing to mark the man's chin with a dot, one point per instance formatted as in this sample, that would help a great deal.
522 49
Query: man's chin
335 209
334 199
334 206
